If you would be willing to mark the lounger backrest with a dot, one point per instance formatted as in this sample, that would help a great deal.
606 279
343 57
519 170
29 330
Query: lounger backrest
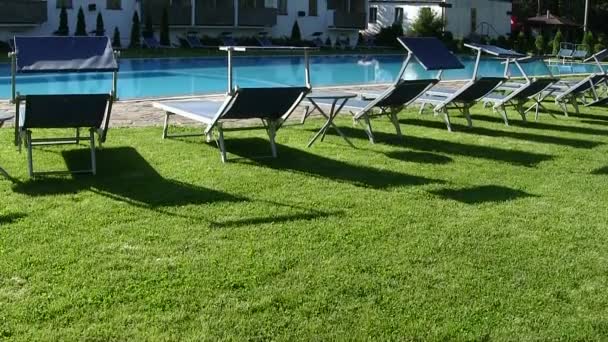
565 52
264 103
66 111
405 91
535 87
478 89
193 41
151 42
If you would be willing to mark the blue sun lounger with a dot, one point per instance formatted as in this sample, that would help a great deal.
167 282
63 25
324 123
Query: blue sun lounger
474 90
428 52
75 111
272 106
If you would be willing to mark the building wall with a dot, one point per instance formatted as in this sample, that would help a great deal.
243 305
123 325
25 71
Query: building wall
112 18
458 18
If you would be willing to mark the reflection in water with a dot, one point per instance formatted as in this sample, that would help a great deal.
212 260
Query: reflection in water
190 76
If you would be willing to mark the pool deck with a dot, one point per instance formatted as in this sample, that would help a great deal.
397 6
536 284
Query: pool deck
141 113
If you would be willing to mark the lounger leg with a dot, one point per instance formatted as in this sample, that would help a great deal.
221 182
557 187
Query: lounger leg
93 156
446 118
467 114
166 125
30 162
575 105
520 110
503 112
78 135
305 114
564 107
271 135
368 129
395 121
221 143
422 106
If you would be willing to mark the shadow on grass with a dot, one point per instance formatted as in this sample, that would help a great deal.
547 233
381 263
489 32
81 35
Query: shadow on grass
123 175
291 159
600 123
547 126
419 157
545 139
10 218
601 171
513 157
277 219
482 194
589 116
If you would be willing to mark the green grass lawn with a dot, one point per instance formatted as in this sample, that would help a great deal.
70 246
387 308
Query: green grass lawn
487 233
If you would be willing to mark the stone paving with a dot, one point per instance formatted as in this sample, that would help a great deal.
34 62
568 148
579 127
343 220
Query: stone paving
140 113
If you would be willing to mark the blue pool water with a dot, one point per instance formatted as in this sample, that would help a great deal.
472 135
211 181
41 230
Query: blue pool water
146 78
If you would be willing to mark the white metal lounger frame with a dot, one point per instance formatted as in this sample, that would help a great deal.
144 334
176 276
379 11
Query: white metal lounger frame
443 105
500 104
271 126
393 111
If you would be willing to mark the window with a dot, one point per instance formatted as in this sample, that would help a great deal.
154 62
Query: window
399 15
373 15
473 20
283 7
113 4
64 3
312 8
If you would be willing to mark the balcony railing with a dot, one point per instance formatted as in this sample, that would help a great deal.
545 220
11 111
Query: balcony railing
352 20
22 12
264 17
214 16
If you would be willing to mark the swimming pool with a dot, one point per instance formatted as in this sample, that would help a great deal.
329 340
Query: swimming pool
164 77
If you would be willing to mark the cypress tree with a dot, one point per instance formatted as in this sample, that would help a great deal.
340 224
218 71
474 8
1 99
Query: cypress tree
63 29
100 29
557 40
116 38
81 26
296 35
135 32
164 28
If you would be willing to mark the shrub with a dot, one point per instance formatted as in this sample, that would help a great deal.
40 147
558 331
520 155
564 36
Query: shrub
448 39
116 38
327 41
557 40
81 26
164 28
427 24
388 35
148 29
539 43
296 35
588 41
521 43
100 30
63 29
135 32
600 44
502 42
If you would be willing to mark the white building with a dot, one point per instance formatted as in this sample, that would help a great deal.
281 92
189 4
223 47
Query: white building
333 18
461 17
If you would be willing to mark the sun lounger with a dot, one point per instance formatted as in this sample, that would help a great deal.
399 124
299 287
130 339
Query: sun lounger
272 106
36 112
571 94
516 94
474 90
3 118
193 41
428 52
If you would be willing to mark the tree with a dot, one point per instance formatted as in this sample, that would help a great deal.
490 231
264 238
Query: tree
116 38
588 41
148 29
135 32
388 35
99 28
63 29
521 42
427 24
601 43
557 41
296 35
539 43
164 28
81 26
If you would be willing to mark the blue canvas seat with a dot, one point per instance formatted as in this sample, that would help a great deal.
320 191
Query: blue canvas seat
68 111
